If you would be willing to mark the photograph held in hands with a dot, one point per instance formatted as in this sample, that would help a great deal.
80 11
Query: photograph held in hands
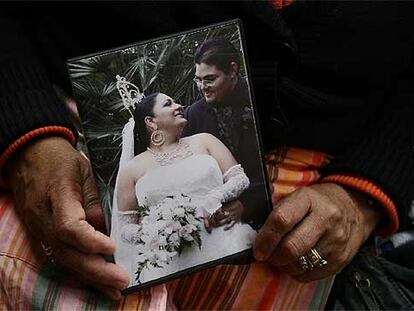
172 134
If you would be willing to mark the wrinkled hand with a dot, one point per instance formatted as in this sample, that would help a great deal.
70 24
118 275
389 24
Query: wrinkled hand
327 217
56 196
229 214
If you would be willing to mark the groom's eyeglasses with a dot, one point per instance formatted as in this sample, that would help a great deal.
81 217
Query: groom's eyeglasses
206 81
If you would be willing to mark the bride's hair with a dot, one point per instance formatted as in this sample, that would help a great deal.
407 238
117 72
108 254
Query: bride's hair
143 109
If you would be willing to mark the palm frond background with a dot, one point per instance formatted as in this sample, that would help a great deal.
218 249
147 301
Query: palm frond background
164 65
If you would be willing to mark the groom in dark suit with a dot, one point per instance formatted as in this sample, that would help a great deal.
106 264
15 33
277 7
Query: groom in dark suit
226 112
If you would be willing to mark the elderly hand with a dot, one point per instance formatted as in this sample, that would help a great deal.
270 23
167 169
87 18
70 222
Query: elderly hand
56 197
327 217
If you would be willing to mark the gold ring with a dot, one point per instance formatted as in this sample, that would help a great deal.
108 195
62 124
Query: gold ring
314 257
48 250
312 260
303 263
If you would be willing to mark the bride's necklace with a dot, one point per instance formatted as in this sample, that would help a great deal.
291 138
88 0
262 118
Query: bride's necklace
181 151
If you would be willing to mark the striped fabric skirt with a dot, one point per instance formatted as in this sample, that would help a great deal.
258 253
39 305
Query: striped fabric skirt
29 282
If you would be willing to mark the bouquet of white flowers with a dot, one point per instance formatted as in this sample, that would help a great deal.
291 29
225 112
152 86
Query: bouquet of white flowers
165 230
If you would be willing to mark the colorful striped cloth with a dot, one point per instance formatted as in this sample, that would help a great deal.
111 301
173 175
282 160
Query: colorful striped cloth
29 282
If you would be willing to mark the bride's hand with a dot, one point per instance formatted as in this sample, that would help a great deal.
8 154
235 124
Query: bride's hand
206 219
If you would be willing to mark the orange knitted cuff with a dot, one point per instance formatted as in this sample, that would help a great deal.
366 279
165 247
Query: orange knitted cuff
280 4
371 189
21 141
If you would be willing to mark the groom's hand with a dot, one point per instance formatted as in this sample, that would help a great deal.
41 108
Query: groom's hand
227 215
56 197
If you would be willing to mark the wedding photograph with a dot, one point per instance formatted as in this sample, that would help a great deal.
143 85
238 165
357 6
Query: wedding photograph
176 150
207 155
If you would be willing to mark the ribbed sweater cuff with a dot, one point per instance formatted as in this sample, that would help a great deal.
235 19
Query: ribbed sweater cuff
280 4
391 224
23 140
384 153
29 105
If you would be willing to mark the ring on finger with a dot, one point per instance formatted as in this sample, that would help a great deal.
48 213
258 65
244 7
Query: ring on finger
48 250
312 260
316 259
213 217
304 264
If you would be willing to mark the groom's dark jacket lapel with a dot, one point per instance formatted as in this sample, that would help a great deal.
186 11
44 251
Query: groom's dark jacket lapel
203 119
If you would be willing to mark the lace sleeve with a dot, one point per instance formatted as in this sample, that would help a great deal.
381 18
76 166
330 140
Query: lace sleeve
129 226
235 181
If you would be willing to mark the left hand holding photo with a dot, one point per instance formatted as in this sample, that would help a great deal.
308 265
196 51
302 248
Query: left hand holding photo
56 197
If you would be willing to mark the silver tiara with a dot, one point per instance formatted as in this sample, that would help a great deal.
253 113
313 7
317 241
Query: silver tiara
129 93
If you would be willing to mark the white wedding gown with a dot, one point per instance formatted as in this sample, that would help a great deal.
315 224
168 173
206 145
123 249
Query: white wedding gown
194 177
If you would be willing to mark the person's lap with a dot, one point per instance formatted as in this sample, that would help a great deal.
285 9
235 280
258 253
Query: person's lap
29 281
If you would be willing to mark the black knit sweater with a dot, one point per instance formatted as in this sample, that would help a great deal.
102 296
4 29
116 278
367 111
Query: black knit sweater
349 93
27 98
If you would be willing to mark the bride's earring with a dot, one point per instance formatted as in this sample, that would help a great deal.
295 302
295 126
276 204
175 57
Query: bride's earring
157 138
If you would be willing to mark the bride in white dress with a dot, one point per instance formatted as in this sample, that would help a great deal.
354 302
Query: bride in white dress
198 167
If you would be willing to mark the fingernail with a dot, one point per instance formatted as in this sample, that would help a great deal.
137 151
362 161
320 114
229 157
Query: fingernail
114 294
122 278
259 255
121 284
